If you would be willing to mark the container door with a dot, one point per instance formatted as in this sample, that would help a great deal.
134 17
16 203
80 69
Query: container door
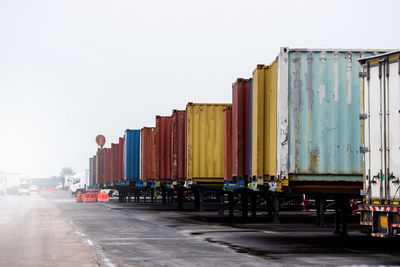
373 129
392 85
382 130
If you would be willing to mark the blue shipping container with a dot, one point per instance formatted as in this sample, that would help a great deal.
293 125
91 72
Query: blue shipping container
132 155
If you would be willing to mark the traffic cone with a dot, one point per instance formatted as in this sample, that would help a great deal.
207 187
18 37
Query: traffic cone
79 198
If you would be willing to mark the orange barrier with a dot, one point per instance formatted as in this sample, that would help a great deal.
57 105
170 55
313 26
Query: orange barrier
103 198
90 197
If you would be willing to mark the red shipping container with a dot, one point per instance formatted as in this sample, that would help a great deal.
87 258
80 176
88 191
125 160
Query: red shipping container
163 149
121 149
148 154
114 169
100 166
228 144
179 145
240 128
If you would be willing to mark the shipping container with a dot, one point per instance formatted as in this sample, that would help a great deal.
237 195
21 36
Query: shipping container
228 157
163 149
148 154
306 131
114 164
264 121
92 170
205 143
120 161
381 143
179 146
240 128
99 166
132 156
250 129
107 165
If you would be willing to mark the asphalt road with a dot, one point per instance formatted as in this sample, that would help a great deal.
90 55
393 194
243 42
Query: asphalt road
54 230
34 233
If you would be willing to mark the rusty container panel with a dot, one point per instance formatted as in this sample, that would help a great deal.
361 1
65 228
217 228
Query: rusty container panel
250 130
148 154
114 169
228 157
205 143
240 128
120 172
132 155
163 149
179 145
99 166
319 132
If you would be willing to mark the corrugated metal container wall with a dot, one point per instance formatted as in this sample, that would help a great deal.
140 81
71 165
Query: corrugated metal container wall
250 129
179 145
228 157
264 121
319 131
92 170
240 128
120 173
99 166
93 179
148 154
107 165
132 155
270 94
205 143
163 148
114 169
258 121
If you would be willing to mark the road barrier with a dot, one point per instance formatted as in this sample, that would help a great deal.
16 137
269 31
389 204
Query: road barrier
90 197
103 197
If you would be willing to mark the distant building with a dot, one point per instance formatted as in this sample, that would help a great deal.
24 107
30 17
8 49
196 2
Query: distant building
46 182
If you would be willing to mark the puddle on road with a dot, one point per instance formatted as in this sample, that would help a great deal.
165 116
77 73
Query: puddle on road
236 248
244 250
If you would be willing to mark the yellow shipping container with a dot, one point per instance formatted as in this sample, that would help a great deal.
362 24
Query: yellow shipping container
264 121
270 122
258 121
205 143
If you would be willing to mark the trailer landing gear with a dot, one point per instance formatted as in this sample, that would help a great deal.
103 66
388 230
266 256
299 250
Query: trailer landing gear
340 216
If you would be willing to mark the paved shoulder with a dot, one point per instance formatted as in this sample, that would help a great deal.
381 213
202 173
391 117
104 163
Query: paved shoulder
33 233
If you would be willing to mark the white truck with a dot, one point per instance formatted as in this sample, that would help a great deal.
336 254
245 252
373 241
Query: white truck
381 144
78 182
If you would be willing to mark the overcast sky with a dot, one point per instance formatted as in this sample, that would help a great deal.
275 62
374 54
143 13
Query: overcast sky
70 70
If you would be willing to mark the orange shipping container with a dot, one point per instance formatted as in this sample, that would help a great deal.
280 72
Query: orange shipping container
148 154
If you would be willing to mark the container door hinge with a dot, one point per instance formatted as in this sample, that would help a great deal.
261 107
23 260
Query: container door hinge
363 116
363 74
364 149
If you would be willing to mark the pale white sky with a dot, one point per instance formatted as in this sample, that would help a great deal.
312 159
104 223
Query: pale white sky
75 68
